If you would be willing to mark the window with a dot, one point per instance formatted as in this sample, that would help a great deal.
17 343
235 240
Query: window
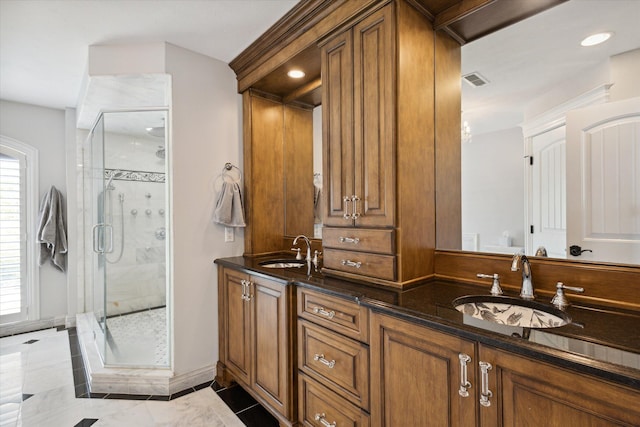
17 213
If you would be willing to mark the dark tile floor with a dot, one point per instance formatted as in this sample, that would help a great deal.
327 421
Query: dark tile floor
250 412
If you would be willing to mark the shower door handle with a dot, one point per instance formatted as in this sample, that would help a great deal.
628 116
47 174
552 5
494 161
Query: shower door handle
96 232
109 229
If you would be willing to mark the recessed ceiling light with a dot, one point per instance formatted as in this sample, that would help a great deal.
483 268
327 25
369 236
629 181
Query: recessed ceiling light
595 39
296 74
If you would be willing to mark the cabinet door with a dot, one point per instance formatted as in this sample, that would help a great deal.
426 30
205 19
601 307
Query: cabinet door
337 132
374 117
271 373
416 375
526 392
236 324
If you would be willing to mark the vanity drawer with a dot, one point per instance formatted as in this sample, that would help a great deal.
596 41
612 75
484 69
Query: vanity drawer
336 314
359 239
339 363
320 407
363 264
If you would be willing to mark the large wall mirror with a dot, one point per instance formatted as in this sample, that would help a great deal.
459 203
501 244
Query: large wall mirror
551 146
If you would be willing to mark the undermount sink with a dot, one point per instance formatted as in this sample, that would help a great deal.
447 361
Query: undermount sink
283 263
511 311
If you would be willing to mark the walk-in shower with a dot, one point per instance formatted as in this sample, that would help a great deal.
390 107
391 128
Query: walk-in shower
126 239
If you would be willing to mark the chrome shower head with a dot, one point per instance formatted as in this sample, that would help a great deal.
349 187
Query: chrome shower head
114 173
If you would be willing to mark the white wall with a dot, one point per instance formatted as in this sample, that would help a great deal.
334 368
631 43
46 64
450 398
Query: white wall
493 187
625 69
44 129
205 135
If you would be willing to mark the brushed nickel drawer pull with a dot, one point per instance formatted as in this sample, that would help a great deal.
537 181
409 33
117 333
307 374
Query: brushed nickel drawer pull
246 290
354 199
346 201
485 393
321 311
353 240
464 381
350 263
323 421
320 358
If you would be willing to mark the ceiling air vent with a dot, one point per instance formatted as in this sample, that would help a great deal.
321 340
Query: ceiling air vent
475 79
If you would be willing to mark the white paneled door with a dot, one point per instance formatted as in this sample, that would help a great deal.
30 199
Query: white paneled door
603 182
549 193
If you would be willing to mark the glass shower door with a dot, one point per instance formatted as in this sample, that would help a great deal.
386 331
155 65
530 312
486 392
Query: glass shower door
97 236
127 238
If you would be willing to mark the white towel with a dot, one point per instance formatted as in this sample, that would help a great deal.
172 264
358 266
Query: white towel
51 233
229 208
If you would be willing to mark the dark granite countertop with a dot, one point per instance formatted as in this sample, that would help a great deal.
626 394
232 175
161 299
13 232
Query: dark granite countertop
600 341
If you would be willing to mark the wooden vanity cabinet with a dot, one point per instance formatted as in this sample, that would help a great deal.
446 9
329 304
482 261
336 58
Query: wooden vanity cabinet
416 375
257 341
333 361
379 144
526 392
419 374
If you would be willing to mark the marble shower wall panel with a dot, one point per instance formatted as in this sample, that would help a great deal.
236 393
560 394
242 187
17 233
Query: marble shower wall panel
138 280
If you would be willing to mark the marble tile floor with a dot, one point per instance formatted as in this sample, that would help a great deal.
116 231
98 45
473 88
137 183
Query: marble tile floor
42 383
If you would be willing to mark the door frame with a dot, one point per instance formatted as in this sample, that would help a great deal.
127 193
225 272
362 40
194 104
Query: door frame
549 120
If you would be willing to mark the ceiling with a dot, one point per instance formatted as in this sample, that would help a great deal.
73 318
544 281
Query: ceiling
533 57
44 45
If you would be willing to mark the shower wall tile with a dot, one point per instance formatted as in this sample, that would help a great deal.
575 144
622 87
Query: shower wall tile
150 255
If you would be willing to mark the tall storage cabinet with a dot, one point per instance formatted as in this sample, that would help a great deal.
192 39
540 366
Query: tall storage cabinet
379 146
257 339
358 105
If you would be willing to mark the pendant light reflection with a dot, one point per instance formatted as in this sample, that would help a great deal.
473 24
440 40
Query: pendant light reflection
465 132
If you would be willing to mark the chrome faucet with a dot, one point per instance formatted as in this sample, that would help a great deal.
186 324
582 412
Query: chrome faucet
527 285
306 239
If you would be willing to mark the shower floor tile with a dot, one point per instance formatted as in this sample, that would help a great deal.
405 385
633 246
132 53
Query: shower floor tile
138 338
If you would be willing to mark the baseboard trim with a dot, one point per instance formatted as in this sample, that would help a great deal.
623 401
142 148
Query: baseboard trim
31 326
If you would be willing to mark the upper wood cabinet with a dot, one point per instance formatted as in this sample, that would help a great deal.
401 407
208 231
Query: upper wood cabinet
358 124
379 143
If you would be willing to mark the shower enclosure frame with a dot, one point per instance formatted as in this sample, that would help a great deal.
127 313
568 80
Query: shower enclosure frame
97 232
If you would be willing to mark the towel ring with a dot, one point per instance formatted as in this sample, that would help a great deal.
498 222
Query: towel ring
227 175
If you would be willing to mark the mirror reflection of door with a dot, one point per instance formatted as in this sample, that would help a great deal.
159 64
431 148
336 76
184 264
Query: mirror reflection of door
603 183
549 193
